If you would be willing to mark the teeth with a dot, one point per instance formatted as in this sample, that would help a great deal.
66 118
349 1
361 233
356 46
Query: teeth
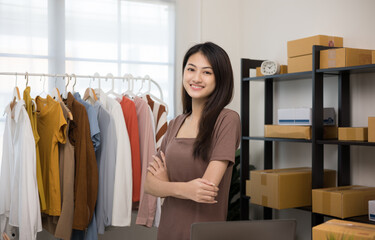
195 86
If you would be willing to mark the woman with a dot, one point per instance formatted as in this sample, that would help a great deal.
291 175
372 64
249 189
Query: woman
194 165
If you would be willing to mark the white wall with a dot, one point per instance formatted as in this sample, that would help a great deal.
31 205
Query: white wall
208 20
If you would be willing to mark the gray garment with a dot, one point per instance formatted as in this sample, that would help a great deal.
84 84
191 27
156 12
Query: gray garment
92 113
106 158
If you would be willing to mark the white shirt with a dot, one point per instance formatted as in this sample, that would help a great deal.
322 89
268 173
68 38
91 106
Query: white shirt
19 199
123 189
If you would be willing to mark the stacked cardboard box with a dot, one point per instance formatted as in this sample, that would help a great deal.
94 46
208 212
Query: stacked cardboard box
353 133
284 188
342 202
339 229
300 51
344 57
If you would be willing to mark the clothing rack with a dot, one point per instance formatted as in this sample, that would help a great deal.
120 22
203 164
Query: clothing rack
130 78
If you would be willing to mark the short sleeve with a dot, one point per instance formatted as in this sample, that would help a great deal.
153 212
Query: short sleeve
61 133
227 134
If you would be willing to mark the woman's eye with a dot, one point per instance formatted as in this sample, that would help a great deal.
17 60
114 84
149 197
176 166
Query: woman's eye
190 69
208 73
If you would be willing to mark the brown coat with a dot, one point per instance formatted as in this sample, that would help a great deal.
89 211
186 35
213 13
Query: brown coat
86 169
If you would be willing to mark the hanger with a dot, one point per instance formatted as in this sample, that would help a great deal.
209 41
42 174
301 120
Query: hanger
90 93
16 91
139 93
112 90
66 86
148 92
44 84
130 80
56 93
75 82
16 95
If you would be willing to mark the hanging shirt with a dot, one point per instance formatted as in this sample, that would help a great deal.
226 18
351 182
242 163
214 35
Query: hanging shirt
106 159
130 115
61 227
31 111
182 167
52 130
160 119
147 206
92 114
122 197
19 200
86 169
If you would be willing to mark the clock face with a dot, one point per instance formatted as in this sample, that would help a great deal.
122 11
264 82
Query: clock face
269 68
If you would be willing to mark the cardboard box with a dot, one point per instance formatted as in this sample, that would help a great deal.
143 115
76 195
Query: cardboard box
339 229
342 202
344 57
283 70
373 57
353 133
297 132
303 116
371 210
371 129
284 188
300 64
304 46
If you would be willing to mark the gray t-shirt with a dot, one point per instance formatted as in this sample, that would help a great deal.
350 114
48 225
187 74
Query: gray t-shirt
178 214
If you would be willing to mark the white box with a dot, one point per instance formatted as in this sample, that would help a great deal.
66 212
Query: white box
303 116
371 210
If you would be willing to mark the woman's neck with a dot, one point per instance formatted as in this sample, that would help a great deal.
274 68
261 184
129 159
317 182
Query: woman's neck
196 111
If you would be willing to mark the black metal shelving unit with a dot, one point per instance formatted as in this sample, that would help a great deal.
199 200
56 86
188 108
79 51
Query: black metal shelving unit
317 154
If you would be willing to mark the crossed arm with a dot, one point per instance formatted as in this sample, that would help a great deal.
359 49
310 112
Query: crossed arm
203 190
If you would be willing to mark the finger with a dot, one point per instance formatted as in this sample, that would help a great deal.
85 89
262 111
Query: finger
152 165
209 187
158 162
205 181
151 170
163 158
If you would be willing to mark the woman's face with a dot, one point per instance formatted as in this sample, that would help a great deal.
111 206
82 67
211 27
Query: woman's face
199 79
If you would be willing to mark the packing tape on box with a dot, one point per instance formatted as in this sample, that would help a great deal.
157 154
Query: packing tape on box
264 200
331 58
326 198
263 179
351 225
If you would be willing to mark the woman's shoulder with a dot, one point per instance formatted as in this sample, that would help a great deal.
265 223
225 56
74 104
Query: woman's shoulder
228 114
175 121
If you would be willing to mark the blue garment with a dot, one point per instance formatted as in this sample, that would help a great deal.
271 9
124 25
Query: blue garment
106 158
92 113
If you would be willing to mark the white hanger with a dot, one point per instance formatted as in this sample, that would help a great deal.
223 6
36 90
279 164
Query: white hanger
44 84
148 92
130 80
112 90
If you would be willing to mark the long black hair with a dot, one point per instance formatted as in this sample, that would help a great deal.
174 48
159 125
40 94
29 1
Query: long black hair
219 98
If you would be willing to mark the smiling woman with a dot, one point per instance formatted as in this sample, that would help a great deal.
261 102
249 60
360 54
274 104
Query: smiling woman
194 165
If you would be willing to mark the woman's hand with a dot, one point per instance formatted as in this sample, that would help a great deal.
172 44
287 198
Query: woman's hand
201 190
158 168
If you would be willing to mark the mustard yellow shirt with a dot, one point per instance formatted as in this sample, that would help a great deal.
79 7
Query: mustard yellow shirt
31 111
52 130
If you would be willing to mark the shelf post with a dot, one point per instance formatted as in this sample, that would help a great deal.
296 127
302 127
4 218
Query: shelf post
246 64
317 128
343 151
